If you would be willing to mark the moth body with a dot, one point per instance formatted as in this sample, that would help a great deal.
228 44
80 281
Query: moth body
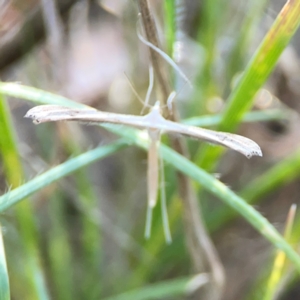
152 121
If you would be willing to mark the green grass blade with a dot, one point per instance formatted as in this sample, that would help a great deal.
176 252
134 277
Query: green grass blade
277 276
237 55
59 249
229 197
255 75
169 10
158 243
276 177
162 290
33 273
252 116
182 164
36 95
43 97
280 258
261 65
58 172
185 166
4 280
279 175
208 33
90 236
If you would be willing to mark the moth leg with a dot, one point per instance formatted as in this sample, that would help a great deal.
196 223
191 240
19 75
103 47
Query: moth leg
153 167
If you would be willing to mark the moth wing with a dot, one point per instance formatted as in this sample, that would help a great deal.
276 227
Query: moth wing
51 113
236 142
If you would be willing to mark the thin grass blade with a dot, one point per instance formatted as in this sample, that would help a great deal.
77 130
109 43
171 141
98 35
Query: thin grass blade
11 198
164 290
279 175
252 116
163 201
4 279
32 267
180 163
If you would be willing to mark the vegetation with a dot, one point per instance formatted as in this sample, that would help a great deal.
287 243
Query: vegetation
74 227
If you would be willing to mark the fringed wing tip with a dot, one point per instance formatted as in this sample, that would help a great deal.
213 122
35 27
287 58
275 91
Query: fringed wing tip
29 115
255 151
32 115
37 110
40 114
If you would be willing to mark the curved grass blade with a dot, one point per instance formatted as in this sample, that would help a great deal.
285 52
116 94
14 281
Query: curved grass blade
58 172
43 97
276 177
182 164
36 95
252 116
167 58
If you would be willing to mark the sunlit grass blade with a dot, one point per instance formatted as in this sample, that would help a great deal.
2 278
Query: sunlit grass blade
163 201
4 279
182 164
280 258
255 75
278 276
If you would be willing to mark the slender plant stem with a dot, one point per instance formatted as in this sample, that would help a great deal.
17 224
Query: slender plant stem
197 236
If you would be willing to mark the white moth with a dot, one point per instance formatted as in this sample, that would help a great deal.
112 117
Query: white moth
155 124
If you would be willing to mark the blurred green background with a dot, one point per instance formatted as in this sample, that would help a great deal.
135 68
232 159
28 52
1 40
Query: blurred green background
79 231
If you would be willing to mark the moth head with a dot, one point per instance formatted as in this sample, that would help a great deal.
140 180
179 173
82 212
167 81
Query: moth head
157 106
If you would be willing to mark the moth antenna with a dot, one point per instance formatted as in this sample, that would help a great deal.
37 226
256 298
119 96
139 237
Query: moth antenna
166 57
134 90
